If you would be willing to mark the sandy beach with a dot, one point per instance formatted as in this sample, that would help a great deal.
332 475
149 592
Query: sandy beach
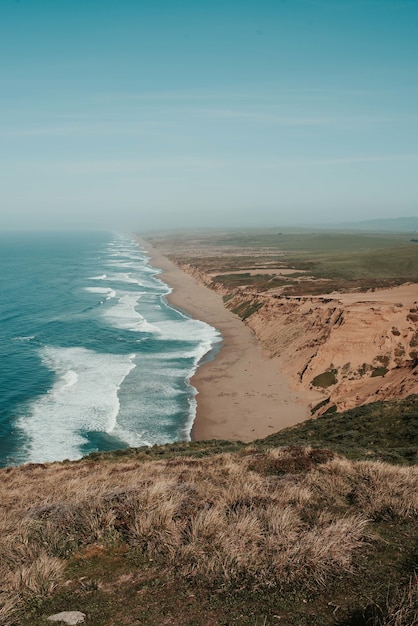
242 394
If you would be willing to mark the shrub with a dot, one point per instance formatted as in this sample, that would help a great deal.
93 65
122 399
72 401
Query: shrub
326 379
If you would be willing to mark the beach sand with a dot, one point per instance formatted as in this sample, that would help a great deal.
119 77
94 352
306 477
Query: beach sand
242 393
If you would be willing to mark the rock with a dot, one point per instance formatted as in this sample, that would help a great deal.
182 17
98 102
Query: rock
68 617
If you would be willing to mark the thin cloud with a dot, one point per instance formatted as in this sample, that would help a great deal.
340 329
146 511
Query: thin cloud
81 129
129 166
263 93
295 162
413 156
271 118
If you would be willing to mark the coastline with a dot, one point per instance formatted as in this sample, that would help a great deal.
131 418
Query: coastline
241 394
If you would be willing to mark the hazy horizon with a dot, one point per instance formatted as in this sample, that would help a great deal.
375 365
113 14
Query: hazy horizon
146 116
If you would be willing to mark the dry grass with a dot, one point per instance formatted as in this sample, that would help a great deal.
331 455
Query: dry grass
401 608
381 491
280 518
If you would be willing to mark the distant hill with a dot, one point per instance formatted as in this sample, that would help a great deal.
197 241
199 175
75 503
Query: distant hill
396 224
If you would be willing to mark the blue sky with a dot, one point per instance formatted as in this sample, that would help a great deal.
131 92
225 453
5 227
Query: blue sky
163 114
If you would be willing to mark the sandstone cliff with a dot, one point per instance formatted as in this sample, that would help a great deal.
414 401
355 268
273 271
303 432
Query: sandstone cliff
355 348
352 348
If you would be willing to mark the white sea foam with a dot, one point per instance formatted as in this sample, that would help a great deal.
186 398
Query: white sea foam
148 269
83 398
127 264
24 338
192 330
110 293
70 378
150 402
124 315
126 277
101 277
205 338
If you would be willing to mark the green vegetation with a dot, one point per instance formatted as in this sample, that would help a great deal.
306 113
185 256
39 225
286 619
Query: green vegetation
392 264
380 431
280 530
326 379
379 371
247 308
290 240
335 260
261 281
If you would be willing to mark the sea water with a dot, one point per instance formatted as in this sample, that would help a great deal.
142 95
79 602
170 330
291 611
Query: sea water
92 356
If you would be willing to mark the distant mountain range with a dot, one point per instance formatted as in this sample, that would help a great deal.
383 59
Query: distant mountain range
396 224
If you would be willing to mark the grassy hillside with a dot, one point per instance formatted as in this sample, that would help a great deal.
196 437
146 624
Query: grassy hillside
284 530
385 431
338 260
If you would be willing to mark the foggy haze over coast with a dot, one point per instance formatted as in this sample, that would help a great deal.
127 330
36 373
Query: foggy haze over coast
140 115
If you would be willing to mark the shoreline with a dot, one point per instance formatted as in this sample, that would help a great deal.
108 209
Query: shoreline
241 393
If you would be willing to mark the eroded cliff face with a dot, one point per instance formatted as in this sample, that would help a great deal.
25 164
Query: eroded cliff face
345 349
354 348
201 276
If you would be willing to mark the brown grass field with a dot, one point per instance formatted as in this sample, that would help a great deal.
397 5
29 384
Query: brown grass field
249 537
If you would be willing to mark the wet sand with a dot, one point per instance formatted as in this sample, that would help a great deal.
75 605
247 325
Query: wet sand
242 393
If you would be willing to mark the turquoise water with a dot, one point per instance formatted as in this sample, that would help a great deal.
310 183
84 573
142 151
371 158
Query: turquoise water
92 355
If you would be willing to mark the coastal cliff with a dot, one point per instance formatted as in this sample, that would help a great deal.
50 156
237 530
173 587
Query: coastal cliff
353 348
354 351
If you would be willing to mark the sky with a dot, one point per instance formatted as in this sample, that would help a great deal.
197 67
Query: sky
145 115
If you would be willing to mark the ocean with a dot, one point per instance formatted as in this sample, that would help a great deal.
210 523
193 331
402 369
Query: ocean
93 357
